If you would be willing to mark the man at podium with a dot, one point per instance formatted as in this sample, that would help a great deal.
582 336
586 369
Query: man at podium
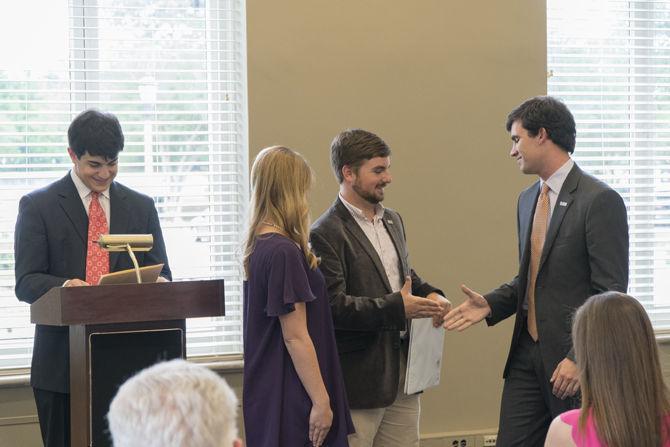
55 245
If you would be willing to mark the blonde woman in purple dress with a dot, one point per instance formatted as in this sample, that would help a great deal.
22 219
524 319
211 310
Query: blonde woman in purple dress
293 393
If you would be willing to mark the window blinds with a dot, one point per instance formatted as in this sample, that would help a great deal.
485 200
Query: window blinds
610 62
174 72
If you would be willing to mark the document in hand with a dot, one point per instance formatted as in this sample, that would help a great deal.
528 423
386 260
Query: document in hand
424 360
148 274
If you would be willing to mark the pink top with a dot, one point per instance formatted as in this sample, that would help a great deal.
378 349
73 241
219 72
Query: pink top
590 437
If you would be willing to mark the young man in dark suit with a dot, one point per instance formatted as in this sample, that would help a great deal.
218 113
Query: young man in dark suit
55 245
573 243
373 292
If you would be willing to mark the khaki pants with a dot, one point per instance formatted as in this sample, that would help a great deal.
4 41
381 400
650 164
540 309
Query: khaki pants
394 426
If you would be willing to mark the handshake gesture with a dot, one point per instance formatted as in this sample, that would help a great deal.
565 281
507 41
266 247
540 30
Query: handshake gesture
434 306
473 310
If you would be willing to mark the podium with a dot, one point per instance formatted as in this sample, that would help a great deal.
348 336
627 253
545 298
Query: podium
117 330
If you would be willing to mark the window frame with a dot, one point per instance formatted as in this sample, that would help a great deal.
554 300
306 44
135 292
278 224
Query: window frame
83 21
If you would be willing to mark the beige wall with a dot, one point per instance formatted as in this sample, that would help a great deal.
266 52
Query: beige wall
435 79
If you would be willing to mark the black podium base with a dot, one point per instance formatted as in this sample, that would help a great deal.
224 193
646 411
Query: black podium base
115 353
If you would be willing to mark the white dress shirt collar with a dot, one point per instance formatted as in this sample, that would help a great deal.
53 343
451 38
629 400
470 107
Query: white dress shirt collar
556 180
82 189
358 213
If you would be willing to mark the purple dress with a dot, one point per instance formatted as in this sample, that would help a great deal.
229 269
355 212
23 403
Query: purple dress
276 406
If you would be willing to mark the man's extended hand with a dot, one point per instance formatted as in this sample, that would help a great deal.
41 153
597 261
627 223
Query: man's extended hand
565 379
418 307
445 305
473 310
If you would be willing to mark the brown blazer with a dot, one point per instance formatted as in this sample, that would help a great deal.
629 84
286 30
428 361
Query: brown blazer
368 316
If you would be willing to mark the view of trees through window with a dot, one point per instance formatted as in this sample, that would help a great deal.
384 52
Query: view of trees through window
173 71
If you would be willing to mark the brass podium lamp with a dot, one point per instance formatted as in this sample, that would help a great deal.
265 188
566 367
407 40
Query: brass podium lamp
129 243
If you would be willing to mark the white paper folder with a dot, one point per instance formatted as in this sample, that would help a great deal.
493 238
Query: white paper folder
424 360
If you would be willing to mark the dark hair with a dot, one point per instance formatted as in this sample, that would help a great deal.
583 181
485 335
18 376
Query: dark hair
548 113
352 147
96 133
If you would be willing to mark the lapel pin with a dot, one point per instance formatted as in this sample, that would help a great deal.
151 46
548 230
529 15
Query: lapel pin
388 221
563 204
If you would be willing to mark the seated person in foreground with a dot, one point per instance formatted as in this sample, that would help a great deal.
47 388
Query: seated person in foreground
174 404
624 399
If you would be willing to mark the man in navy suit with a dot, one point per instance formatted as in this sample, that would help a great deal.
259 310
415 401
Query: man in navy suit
50 249
573 243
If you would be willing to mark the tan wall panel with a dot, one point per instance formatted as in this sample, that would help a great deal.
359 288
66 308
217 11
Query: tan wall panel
436 80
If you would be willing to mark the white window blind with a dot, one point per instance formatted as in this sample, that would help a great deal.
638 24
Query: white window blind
610 62
174 72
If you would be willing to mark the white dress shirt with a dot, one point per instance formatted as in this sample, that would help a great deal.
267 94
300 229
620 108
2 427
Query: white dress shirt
381 240
555 183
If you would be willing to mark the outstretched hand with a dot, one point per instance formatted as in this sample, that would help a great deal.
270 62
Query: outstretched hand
415 306
473 310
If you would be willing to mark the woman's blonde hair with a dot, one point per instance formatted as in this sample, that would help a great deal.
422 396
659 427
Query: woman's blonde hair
620 373
280 180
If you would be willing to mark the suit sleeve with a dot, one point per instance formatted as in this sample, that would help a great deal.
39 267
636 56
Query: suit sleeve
158 254
31 254
607 242
503 301
355 313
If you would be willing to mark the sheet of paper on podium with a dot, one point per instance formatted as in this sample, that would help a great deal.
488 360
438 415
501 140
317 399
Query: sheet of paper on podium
148 274
424 360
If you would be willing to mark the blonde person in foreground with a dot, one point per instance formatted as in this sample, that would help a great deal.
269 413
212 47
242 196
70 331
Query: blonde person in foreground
293 393
624 399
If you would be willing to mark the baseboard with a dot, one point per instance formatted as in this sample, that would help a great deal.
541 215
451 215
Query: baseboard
471 438
18 420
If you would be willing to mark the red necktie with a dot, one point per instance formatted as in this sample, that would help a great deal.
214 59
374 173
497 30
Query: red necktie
97 259
537 236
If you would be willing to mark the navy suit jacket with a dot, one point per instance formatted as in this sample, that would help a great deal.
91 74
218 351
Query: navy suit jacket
585 253
50 242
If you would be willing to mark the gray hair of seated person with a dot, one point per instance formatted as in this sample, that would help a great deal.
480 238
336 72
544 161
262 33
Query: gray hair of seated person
174 403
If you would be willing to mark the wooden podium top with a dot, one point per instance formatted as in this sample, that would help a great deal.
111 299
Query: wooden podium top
125 303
